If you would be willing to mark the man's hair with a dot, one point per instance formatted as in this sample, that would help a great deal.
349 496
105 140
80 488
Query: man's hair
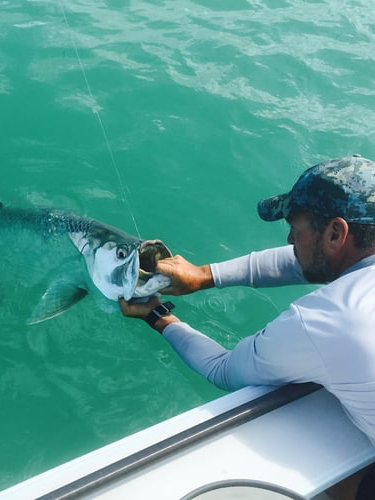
363 234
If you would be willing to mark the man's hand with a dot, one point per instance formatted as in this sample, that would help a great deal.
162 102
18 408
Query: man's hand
141 310
138 309
185 277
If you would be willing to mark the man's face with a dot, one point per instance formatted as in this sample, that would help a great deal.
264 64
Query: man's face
309 250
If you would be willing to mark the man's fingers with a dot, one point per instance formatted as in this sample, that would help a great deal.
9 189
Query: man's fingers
165 266
124 306
138 309
172 265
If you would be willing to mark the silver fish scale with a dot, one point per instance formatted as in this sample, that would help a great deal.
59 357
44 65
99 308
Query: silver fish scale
46 221
59 222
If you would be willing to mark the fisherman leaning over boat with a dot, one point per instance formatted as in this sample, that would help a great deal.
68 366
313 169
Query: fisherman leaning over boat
327 336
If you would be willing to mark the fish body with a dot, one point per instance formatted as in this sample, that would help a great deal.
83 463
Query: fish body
76 255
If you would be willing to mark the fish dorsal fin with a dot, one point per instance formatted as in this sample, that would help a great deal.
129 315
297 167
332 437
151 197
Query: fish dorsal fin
58 297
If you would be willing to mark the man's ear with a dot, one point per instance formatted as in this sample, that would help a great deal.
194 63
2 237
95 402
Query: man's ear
335 234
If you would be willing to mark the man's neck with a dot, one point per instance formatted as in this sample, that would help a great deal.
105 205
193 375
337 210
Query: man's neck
356 261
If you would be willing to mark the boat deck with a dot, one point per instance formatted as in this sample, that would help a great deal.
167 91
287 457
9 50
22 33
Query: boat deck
300 448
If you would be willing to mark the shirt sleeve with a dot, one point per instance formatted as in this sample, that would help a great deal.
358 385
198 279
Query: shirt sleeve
267 268
280 353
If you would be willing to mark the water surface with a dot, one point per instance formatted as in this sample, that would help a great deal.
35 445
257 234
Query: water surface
168 118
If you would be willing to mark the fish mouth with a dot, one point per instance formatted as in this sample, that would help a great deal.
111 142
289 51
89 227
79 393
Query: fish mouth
150 252
138 274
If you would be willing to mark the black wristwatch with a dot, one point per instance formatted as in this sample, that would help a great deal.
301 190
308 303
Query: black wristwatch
159 311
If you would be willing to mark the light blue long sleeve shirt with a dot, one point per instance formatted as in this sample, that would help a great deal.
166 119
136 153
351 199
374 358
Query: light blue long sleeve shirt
327 336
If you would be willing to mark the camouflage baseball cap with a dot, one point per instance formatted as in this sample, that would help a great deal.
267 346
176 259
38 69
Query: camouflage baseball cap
344 187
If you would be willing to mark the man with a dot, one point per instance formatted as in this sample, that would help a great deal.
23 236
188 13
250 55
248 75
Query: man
327 336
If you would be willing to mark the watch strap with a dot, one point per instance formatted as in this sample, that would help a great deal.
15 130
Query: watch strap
159 311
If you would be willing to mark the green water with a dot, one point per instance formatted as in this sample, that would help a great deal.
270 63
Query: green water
186 114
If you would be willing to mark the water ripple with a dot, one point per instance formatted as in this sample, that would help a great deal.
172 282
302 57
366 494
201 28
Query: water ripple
207 106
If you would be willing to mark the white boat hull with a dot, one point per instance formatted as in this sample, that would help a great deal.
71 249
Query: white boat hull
302 447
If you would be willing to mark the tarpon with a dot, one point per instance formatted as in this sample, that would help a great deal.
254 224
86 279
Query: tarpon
77 255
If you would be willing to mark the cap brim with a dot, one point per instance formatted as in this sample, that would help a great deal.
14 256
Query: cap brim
274 208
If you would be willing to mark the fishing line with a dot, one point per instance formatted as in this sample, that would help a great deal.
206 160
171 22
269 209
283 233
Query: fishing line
123 190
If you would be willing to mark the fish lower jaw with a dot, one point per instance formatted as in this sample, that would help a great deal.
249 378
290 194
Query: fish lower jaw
151 286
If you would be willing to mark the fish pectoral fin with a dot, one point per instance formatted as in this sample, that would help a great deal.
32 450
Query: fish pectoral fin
57 298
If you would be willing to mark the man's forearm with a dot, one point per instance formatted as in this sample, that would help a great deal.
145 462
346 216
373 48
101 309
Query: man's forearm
266 268
164 321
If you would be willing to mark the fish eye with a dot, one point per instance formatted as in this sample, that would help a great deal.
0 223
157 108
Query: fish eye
120 253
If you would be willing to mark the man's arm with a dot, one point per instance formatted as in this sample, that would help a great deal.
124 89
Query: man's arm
267 268
280 353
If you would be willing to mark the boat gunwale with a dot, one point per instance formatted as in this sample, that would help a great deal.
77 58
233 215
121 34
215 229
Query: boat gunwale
233 417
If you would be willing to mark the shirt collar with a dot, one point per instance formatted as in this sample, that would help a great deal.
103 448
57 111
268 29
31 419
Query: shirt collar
367 261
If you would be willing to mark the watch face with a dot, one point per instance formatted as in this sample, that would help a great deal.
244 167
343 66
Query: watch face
164 308
161 309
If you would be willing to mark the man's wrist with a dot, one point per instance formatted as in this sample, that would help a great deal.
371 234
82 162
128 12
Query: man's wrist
207 280
164 321
160 310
